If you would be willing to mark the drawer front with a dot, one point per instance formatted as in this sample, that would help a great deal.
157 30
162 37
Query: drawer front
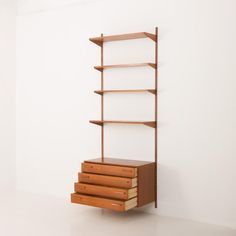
108 180
103 202
109 170
104 191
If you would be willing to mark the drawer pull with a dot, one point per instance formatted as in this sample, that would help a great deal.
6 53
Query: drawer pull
119 192
115 204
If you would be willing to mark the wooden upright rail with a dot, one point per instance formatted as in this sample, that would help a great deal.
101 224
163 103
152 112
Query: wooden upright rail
156 111
102 104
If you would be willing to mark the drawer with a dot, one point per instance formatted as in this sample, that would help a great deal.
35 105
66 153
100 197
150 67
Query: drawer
104 191
116 205
108 180
109 170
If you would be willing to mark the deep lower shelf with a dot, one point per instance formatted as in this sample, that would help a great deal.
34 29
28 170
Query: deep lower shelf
151 124
99 40
153 91
101 68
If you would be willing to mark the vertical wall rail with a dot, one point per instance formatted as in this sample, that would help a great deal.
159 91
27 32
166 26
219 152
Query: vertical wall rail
156 111
102 106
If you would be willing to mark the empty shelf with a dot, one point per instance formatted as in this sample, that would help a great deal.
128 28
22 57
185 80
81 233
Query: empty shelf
147 123
153 91
101 68
99 40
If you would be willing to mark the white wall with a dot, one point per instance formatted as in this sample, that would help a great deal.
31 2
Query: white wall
197 115
7 94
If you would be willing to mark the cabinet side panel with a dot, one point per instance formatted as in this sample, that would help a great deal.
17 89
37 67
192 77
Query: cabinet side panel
146 184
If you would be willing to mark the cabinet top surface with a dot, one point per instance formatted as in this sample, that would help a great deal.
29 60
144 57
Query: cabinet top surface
119 162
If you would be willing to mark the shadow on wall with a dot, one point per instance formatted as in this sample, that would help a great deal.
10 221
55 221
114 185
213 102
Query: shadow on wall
169 190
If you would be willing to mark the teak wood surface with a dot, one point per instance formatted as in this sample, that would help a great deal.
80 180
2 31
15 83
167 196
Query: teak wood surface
104 191
108 177
121 171
100 92
151 124
101 68
145 177
106 180
112 204
119 162
99 40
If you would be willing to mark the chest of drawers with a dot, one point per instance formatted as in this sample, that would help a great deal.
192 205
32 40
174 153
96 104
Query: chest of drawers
115 184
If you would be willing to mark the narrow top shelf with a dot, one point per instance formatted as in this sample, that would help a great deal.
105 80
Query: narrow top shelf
99 40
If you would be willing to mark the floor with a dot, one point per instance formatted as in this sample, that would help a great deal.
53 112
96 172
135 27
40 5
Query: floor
34 215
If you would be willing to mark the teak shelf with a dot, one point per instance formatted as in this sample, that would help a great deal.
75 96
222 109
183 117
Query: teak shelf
100 40
101 92
120 184
147 123
101 68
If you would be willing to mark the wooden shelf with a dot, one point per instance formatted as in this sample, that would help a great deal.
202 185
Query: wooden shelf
101 68
102 122
118 162
100 40
101 92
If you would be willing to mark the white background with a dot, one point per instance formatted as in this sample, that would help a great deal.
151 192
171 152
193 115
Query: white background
197 115
7 95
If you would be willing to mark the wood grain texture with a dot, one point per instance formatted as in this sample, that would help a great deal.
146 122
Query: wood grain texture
146 184
101 92
119 162
102 103
117 178
112 204
146 176
151 124
104 191
108 180
109 170
105 67
156 112
99 40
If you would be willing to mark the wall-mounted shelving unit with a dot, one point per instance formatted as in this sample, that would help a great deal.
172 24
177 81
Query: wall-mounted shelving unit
120 184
